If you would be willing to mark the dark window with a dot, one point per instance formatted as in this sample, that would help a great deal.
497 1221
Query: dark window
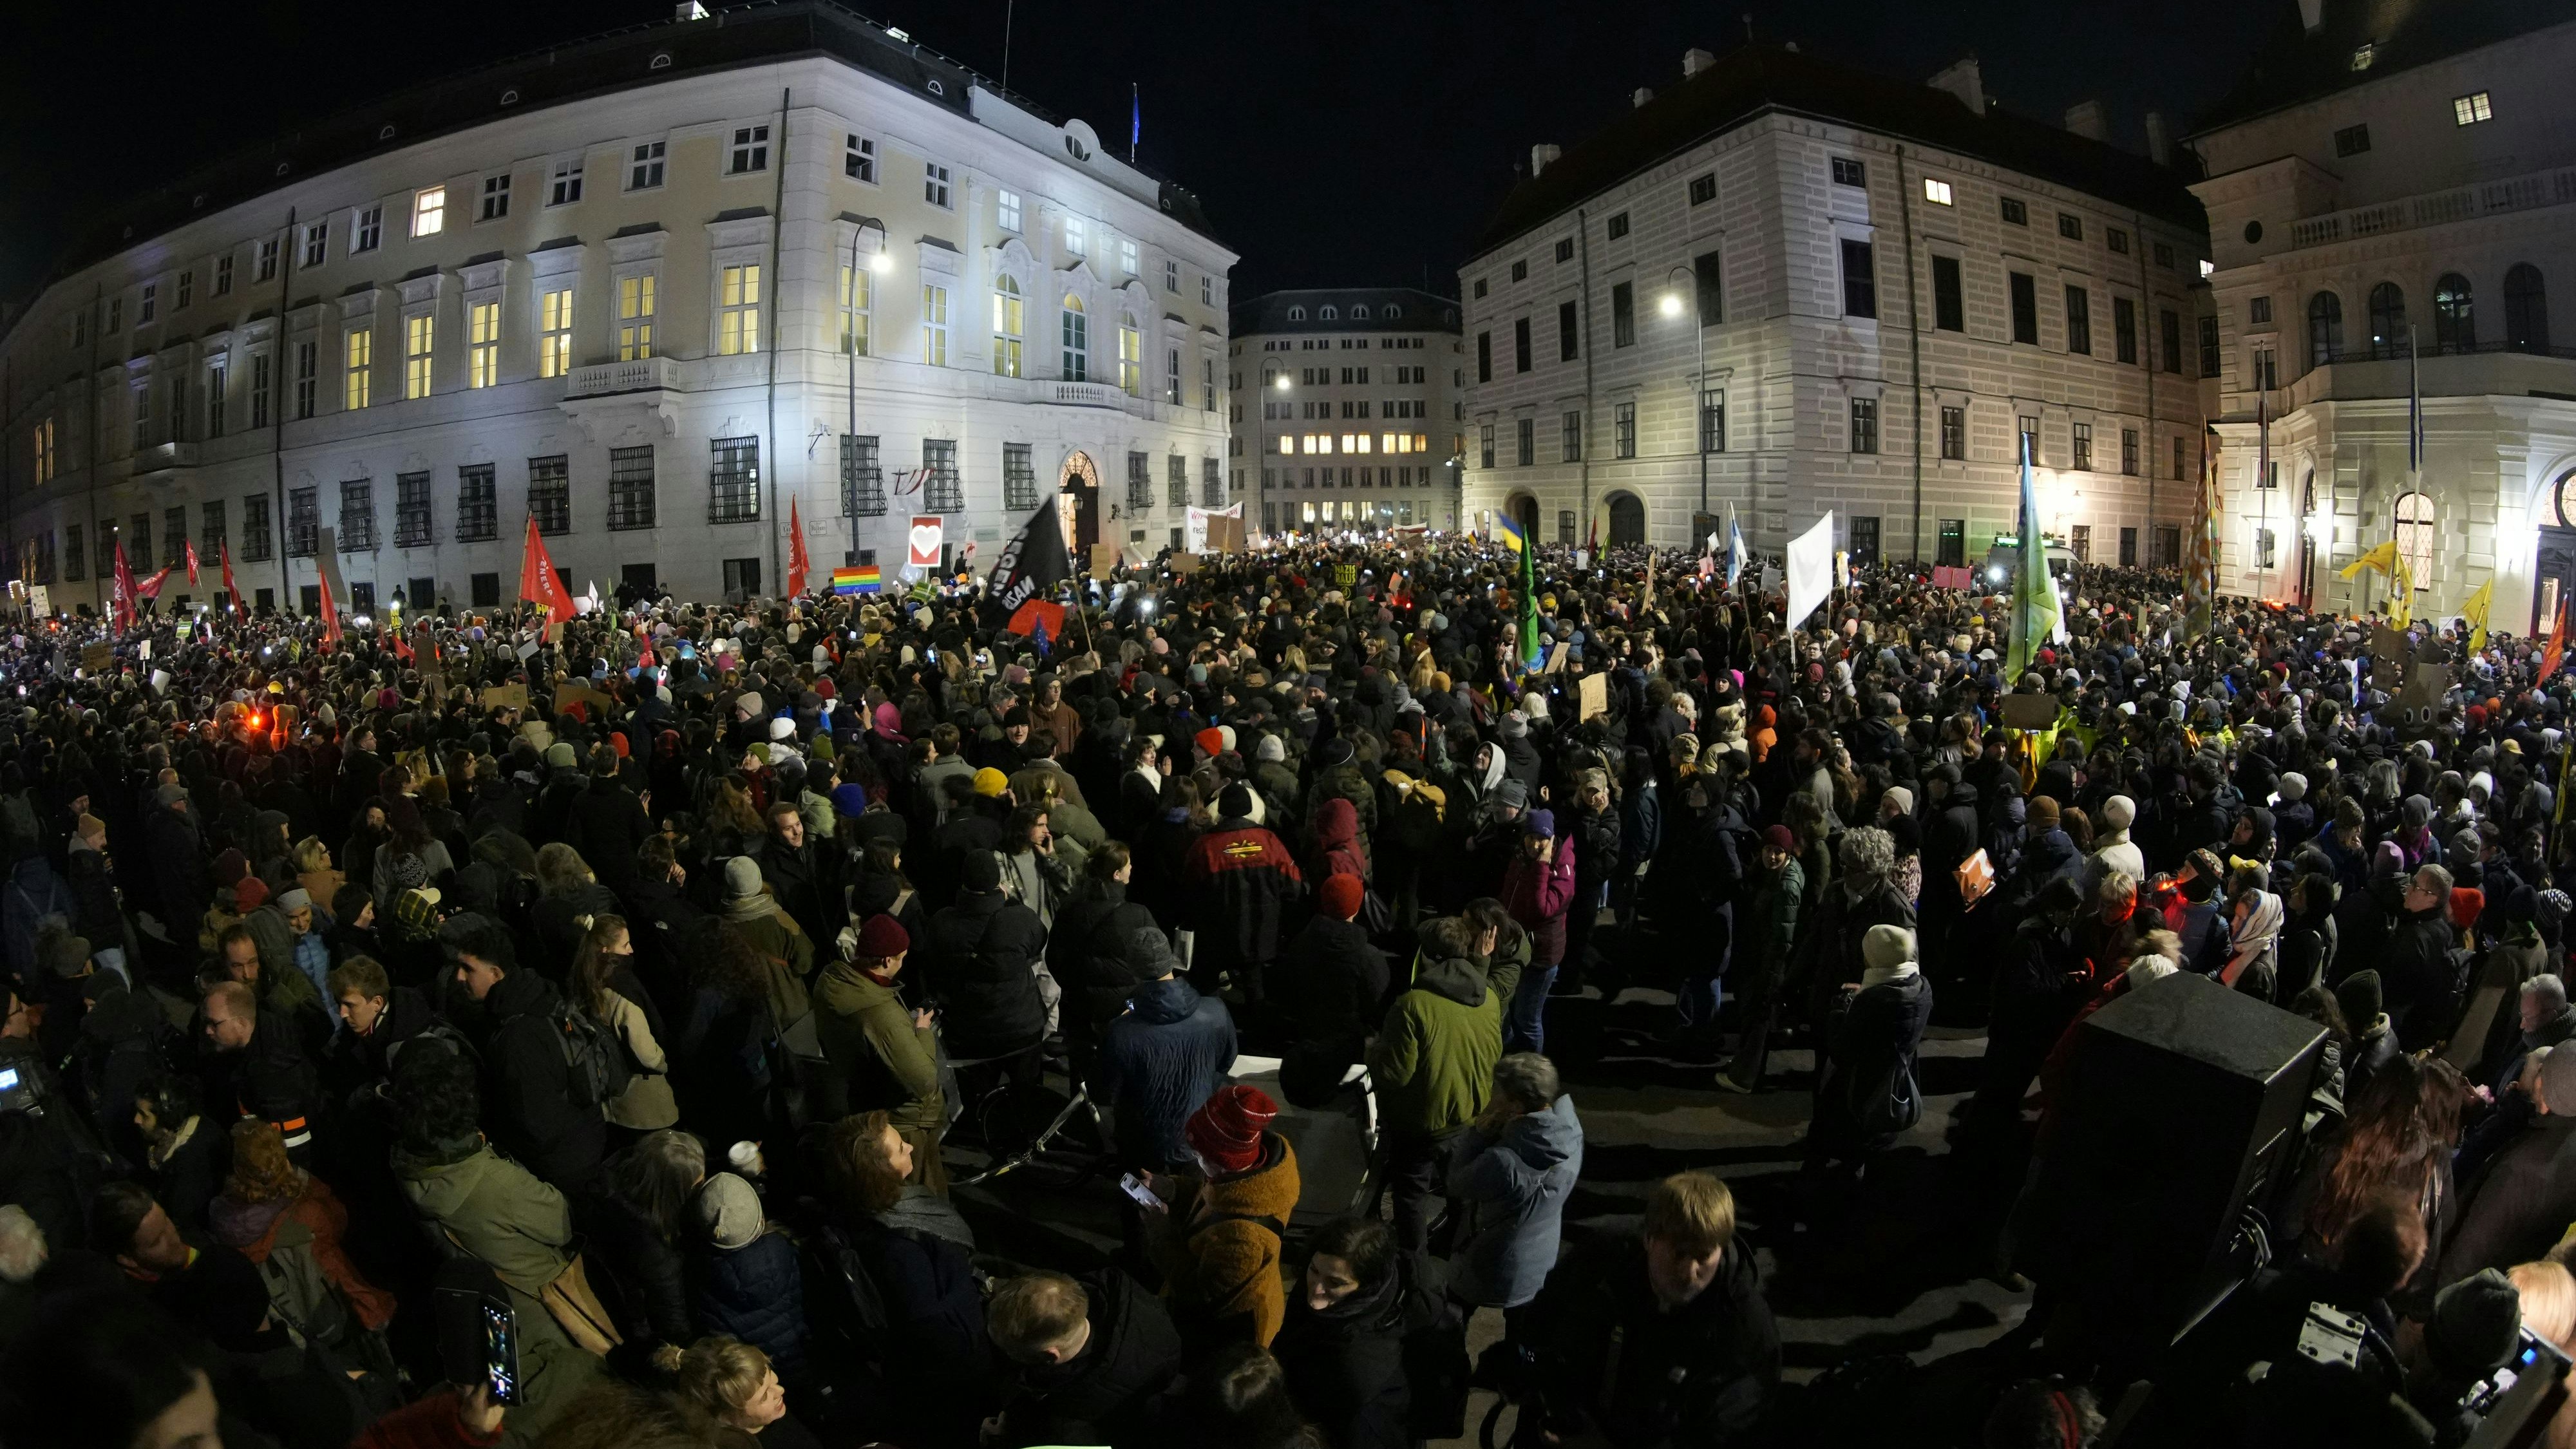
2083 447
1520 345
1703 189
2455 323
1569 338
1176 482
1710 289
630 487
863 478
1480 286
303 522
174 535
358 515
1949 307
1954 432
2168 547
255 535
2209 347
138 540
2526 309
945 489
1618 226
741 577
1623 427
1712 420
411 510
478 503
1954 543
2169 322
1864 541
1623 314
2124 329
1520 270
210 532
1860 281
1849 172
2116 239
550 493
1570 435
2027 438
2016 212
485 590
1864 425
1527 431
1484 357
2129 451
2325 328
733 480
1564 249
2352 140
2070 226
2025 308
2258 311
1019 477
2128 548
2079 321
1140 482
2387 319
75 563
362 597
1212 483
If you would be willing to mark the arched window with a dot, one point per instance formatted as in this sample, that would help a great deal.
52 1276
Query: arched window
1360 312
1296 314
2563 500
2415 536
1007 314
2526 309
1077 341
2455 322
2325 328
1131 356
1393 311
2387 320
1328 313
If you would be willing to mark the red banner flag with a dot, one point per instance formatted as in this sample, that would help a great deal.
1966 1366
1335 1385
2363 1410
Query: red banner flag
330 609
537 581
231 593
192 565
151 588
798 566
2556 653
120 596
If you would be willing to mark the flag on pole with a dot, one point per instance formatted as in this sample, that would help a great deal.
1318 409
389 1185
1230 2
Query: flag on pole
120 596
330 609
2401 595
1734 548
230 593
1135 120
192 564
798 566
2473 611
2382 559
1532 644
1811 570
1509 533
2034 597
2200 565
2551 658
861 579
151 588
538 583
1033 562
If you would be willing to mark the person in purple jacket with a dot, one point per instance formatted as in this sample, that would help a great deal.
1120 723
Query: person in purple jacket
1538 890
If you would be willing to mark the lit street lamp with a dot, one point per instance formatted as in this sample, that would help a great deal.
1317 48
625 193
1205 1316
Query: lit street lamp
1671 306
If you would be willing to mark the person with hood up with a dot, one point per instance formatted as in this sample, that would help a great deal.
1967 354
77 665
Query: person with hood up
1330 989
1867 1092
1433 1059
1538 890
883 1055
1161 1060
1245 881
2374 1037
2047 854
1337 847
2309 938
984 956
1218 1239
2254 938
2196 915
1510 1173
2294 820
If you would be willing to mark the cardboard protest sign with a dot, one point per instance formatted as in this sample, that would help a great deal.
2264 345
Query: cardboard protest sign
574 691
1594 694
1183 563
97 657
1556 658
504 696
1104 559
2029 711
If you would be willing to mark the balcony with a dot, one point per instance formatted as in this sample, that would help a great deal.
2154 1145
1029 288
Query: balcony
161 457
2360 372
601 398
2438 208
1086 395
608 378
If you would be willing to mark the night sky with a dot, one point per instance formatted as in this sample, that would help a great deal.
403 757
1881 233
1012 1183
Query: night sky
1332 143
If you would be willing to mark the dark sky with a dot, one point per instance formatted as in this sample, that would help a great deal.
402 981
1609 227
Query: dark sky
1332 143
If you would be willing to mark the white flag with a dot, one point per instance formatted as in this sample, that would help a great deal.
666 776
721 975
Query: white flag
1811 569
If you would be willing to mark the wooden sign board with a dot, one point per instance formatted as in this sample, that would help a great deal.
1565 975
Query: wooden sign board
1184 563
1556 658
1224 534
97 657
1594 693
504 696
2029 711
1104 560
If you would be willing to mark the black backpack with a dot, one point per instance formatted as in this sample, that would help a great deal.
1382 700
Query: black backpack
596 1072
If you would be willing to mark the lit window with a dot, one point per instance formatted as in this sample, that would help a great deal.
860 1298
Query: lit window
934 184
429 211
1073 240
934 325
482 344
644 166
1127 257
566 186
360 346
859 159
1008 314
750 150
496 197
1007 209
1131 357
2416 536
2364 53
417 337
2470 109
554 333
858 297
738 311
1076 338
635 317
1936 191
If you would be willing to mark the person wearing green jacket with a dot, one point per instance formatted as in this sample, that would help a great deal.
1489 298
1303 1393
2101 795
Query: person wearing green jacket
1433 1060
1770 934
882 1053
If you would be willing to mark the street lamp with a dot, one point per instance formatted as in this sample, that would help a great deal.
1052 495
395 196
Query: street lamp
1672 307
880 264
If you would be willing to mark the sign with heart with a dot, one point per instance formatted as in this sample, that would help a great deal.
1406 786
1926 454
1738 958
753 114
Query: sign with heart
925 541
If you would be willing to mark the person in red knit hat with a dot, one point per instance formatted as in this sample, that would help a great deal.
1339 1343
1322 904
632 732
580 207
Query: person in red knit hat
1218 1244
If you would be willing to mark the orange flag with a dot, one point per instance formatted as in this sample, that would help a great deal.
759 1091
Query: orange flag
2557 650
798 566
330 609
230 592
120 593
537 581
192 565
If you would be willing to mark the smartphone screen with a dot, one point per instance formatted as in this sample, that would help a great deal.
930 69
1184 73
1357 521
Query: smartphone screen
1143 1195
501 1353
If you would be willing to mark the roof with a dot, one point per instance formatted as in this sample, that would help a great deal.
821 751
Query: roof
2293 67
1421 310
1754 81
574 70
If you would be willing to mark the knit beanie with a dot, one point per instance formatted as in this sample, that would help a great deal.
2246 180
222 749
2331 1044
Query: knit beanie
2360 999
2119 812
1886 947
1341 896
248 895
2294 786
881 937
1272 749
230 867
2476 1322
742 877
728 1211
851 799
1211 741
560 756
990 783
1540 823
2042 813
1226 1130
782 728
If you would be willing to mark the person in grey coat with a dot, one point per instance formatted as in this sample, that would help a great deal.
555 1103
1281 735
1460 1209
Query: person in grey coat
1509 1175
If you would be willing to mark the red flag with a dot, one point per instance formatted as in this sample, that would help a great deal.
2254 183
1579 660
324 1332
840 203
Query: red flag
797 564
192 565
330 609
2557 650
230 592
537 581
151 588
120 595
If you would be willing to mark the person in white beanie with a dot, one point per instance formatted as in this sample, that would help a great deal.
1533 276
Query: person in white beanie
1866 1093
2112 848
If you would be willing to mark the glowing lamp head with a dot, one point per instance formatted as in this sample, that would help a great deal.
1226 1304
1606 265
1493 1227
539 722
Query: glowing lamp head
881 263
1672 304
1283 382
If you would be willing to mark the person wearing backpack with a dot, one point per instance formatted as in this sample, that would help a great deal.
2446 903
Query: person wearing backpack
288 1224
1218 1238
1867 1093
548 1066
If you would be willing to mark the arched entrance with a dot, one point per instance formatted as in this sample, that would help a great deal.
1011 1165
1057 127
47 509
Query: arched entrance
1523 509
1078 503
2553 574
1627 519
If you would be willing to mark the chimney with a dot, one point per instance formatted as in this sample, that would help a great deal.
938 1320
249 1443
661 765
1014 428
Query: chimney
1695 60
2084 118
2312 15
2159 146
1541 155
1639 97
1964 80
688 10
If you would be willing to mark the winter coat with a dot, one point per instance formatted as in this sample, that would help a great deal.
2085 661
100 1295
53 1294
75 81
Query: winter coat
562 919
879 1059
1655 1380
1510 1190
1433 1060
1867 1091
1243 882
1330 984
2416 972
755 1293
2205 943
1538 895
1338 847
269 1078
34 892
607 824
1087 952
640 1279
647 1103
494 1210
2521 1205
1220 1264
1103 1394
805 886
981 951
253 1229
1158 1064
528 1103
176 851
1347 1365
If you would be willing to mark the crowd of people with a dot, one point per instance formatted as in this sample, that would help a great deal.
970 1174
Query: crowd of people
657 970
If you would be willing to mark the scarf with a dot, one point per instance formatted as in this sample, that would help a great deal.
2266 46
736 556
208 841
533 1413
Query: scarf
2255 934
1881 975
753 907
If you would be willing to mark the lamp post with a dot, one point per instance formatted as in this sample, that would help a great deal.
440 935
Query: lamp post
1286 482
1672 307
881 264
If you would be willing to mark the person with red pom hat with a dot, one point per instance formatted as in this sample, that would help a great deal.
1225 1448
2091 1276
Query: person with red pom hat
1218 1241
882 1054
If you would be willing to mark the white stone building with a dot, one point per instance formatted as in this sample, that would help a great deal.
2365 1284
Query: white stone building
1364 439
2386 183
612 285
1892 284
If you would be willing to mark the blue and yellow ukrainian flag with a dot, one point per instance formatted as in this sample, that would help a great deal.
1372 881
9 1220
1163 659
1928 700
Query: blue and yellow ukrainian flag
1509 533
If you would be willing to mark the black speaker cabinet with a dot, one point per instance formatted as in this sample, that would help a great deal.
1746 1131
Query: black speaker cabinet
2181 1106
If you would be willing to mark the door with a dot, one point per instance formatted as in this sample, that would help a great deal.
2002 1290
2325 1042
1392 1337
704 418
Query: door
2553 577
1627 519
1525 513
1078 504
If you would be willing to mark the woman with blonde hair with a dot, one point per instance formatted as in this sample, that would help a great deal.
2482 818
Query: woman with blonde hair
313 871
605 984
732 1382
270 1206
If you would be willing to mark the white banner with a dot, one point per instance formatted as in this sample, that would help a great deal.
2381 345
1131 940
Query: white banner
1811 569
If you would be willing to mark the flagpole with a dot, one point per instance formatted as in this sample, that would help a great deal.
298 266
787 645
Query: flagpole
2263 485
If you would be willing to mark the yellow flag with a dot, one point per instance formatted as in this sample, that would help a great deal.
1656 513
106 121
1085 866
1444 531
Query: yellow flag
2401 594
2383 558
2474 610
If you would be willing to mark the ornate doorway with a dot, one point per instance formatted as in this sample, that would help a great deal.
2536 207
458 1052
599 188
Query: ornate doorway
1078 504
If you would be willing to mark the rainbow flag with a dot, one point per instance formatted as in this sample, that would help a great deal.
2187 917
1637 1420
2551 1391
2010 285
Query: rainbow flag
863 579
